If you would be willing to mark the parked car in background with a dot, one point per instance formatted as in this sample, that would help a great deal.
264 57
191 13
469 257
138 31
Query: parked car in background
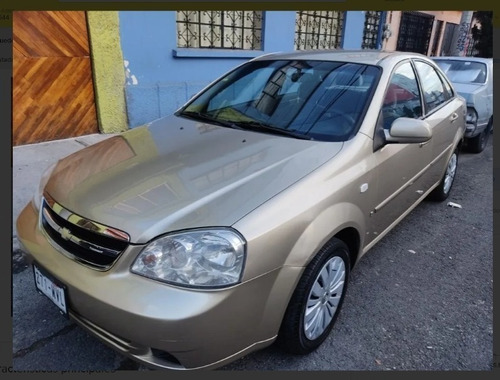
234 223
472 77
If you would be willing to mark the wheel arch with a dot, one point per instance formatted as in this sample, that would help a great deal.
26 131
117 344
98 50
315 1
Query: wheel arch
290 334
344 221
350 236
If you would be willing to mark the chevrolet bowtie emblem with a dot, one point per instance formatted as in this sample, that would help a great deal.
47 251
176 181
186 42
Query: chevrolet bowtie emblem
65 233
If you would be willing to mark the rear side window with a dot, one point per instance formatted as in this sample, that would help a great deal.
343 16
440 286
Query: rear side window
434 91
402 98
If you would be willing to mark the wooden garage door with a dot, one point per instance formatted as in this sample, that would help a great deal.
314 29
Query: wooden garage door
53 92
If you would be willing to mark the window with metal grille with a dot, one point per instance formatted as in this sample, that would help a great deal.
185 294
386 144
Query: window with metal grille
318 29
415 32
220 29
371 30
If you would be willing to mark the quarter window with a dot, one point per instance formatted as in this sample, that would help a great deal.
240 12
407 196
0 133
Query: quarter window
447 86
434 92
402 98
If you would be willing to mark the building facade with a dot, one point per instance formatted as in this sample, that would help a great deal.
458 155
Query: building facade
425 32
143 65
170 56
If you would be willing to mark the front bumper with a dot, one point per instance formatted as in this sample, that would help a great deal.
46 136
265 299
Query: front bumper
160 325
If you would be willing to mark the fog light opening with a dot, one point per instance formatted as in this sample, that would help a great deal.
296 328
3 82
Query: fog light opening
165 356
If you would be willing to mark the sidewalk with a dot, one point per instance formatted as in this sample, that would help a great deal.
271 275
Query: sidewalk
29 163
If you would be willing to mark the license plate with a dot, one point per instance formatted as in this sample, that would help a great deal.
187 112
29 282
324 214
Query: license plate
49 287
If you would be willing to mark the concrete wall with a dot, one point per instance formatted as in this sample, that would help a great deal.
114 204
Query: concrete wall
446 16
108 71
394 19
354 23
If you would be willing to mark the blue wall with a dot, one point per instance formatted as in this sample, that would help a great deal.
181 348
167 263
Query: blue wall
161 77
354 23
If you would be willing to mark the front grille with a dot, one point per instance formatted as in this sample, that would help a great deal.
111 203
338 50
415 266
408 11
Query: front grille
81 239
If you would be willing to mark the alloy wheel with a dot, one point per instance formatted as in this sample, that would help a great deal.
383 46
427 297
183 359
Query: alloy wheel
324 297
450 173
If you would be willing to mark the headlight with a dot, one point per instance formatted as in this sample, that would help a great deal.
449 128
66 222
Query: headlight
37 197
471 116
205 258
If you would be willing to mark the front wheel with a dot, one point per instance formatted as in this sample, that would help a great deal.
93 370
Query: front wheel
317 300
442 192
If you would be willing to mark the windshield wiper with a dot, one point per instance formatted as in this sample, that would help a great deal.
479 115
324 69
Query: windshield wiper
200 116
258 126
253 125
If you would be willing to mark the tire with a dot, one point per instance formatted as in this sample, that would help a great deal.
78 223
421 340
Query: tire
442 191
314 307
478 143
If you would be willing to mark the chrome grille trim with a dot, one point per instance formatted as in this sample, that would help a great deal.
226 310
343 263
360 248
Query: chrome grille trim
87 242
85 223
66 235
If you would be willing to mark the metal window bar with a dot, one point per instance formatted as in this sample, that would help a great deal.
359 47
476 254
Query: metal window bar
371 29
318 29
449 31
220 29
415 32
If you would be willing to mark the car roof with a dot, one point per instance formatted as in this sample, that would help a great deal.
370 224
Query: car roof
471 59
372 57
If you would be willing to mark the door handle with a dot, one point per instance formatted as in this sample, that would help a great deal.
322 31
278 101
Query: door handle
423 143
454 116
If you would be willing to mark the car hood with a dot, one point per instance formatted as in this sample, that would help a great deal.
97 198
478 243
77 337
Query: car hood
176 174
469 90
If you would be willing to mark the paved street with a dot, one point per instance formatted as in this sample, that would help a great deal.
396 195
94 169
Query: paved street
421 299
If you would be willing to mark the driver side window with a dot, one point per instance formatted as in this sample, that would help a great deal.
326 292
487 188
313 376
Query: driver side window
402 97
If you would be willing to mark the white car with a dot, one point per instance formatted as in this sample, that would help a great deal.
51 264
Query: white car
472 78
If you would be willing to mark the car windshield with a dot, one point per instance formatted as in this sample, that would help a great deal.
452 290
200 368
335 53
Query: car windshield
463 71
320 100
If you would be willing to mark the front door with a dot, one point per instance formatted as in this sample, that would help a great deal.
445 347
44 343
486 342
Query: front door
402 168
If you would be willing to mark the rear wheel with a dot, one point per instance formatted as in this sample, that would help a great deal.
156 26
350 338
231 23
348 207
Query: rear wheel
478 143
317 300
442 192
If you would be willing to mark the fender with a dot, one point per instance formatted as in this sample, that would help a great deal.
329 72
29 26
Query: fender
321 230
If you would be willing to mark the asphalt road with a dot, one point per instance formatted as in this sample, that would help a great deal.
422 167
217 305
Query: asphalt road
421 299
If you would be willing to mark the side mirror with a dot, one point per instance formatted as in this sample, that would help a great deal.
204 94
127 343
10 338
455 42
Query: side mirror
408 131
